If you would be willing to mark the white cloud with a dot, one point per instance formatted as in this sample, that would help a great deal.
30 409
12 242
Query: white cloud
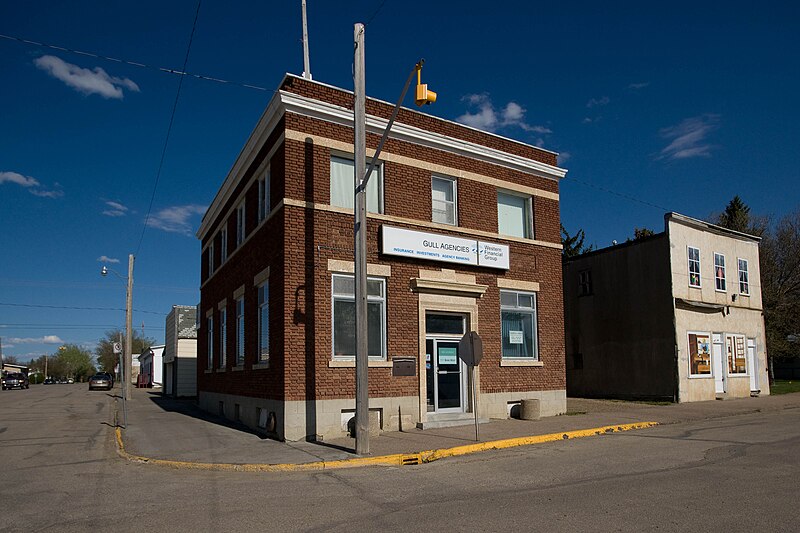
176 219
598 102
563 157
47 339
115 209
106 259
86 81
637 86
688 138
490 119
31 184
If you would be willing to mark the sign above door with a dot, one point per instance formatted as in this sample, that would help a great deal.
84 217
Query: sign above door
445 248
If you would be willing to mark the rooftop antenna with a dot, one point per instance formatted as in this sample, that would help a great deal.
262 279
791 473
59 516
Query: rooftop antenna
306 62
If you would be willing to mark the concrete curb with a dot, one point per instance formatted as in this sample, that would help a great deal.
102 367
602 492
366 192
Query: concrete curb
399 459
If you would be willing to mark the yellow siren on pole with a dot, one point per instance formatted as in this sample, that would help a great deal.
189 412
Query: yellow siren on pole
423 96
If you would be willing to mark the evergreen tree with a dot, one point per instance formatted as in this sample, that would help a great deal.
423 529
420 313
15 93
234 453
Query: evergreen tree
573 245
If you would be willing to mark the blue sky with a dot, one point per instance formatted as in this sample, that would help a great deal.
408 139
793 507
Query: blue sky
673 106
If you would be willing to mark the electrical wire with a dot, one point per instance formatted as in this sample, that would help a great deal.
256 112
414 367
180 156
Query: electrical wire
138 64
374 14
79 308
621 195
169 129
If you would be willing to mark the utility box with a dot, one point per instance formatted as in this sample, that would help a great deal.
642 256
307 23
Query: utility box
404 366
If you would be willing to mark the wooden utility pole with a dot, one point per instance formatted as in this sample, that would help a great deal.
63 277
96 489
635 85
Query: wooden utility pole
360 244
128 332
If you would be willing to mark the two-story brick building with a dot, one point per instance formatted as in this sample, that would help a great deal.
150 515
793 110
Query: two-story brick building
463 234
675 316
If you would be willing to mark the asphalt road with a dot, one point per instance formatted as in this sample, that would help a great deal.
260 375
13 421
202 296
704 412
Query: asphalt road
61 473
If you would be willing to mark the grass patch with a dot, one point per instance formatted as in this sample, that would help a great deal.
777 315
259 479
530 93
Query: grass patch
783 386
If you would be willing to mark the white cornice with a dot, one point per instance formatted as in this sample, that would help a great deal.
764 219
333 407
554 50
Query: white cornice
404 132
285 102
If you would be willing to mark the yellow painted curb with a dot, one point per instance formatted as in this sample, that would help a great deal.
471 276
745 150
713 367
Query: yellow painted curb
398 459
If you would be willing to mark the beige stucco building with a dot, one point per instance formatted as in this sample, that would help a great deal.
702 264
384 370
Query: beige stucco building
674 316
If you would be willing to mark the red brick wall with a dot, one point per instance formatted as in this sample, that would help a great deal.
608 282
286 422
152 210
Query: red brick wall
297 244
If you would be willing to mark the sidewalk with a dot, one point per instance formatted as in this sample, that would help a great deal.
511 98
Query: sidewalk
177 431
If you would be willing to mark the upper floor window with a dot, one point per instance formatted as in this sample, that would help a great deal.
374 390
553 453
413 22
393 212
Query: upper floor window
263 323
514 215
744 278
263 196
518 324
211 257
344 316
223 243
694 267
343 187
240 224
719 271
584 282
443 197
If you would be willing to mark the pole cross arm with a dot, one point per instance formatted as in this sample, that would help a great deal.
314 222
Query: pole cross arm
363 182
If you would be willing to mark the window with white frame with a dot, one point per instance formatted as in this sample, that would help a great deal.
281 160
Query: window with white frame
263 196
719 272
223 337
210 337
514 215
699 354
737 354
240 224
223 243
443 200
344 316
240 331
744 278
343 187
518 325
211 257
694 266
263 323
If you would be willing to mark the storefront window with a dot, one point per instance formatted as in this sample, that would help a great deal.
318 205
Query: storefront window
518 324
699 354
344 317
737 360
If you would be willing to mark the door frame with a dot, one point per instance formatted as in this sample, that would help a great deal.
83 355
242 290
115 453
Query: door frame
719 363
443 303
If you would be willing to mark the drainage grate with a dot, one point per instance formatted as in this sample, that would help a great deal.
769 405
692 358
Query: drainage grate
410 460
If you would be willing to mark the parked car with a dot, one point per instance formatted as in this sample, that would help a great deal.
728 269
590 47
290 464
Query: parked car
49 381
100 381
70 381
110 376
16 380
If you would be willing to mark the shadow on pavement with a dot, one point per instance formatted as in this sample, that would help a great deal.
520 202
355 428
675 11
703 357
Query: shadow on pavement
188 407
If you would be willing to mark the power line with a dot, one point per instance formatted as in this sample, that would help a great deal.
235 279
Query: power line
169 129
375 13
68 326
621 195
78 308
138 64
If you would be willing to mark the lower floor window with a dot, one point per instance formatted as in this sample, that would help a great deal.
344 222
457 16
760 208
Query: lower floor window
263 324
699 354
518 324
344 317
737 359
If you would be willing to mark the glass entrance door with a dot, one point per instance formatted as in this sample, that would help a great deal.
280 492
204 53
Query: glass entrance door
445 374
